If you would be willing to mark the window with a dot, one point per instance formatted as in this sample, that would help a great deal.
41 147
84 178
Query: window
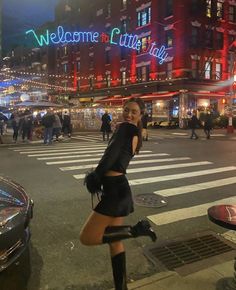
208 70
209 38
123 78
78 66
108 79
194 42
195 68
65 68
169 38
144 17
145 41
91 82
231 39
220 10
194 6
169 8
124 4
169 70
123 53
91 63
78 84
124 26
218 71
65 50
108 10
143 74
107 57
208 8
232 13
219 40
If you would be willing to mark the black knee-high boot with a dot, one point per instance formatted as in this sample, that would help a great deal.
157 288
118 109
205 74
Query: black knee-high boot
117 233
119 271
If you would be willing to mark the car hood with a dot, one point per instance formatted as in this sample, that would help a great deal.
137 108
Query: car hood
12 194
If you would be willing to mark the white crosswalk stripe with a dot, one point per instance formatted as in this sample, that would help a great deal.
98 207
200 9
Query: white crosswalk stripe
87 154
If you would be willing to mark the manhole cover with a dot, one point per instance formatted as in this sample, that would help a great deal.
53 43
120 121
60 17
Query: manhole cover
150 200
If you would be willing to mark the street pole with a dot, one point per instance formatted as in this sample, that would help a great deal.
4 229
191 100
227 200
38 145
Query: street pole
230 128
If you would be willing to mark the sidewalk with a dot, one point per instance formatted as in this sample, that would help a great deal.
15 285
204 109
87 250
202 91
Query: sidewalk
206 279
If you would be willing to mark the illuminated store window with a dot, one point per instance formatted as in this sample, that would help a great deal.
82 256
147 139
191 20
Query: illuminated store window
144 17
220 10
123 78
208 8
169 38
218 71
208 70
232 13
145 41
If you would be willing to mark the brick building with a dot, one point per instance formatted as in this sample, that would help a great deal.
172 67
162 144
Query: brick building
185 57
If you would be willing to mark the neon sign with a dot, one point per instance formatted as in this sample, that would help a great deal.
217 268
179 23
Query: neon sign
131 41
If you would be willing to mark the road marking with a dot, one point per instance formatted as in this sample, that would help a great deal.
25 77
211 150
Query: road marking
180 134
156 168
81 160
196 187
187 213
65 153
63 149
75 145
180 176
84 138
99 154
140 169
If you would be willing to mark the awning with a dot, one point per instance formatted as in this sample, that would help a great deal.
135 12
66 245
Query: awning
153 97
208 95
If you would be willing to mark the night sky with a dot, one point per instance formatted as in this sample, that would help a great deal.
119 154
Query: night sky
21 15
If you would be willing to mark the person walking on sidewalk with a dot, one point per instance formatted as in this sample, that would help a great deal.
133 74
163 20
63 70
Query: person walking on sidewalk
208 125
106 126
15 121
66 124
194 122
47 122
105 224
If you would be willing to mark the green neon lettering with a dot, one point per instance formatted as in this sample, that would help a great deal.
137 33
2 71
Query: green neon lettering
43 39
112 35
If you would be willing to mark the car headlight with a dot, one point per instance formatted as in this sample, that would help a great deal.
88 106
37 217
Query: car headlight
8 214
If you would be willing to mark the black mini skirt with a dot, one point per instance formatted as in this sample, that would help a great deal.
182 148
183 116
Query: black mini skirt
116 199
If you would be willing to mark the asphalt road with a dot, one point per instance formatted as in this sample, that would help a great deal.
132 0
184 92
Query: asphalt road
173 166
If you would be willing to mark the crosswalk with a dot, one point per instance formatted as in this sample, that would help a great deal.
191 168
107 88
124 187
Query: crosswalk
166 175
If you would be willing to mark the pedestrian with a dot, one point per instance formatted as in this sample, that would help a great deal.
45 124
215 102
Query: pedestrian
47 122
27 126
144 124
57 127
105 224
106 126
194 122
15 121
3 122
207 125
66 124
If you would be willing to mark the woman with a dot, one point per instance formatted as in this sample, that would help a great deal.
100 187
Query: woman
105 224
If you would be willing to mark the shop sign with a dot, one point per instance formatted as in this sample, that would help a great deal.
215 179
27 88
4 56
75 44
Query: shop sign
132 41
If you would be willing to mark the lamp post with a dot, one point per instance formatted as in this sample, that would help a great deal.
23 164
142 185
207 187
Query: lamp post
230 127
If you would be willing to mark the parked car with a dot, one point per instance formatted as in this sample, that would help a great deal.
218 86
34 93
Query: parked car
16 211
